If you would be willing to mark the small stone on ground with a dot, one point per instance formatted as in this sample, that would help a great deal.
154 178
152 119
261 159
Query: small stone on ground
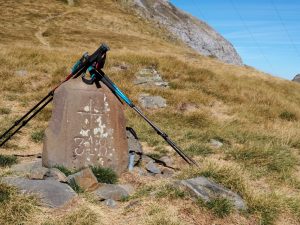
85 179
152 102
56 174
113 191
152 168
38 173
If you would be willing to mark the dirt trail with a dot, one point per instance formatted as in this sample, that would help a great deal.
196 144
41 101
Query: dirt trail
44 25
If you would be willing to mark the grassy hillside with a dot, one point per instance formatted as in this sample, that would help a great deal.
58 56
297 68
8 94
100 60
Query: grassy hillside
255 115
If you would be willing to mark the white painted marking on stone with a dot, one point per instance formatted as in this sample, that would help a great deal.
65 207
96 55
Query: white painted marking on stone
84 133
86 121
86 108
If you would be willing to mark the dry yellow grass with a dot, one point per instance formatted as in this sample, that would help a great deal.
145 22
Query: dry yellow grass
256 115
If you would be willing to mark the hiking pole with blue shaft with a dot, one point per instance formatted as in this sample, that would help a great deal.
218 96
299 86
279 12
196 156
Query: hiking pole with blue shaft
80 67
99 75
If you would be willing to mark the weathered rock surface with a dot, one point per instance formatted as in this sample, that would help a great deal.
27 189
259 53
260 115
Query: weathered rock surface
152 168
110 203
192 31
297 78
215 143
87 127
25 168
133 142
21 73
168 161
209 190
113 191
152 102
85 179
38 173
52 193
56 174
149 77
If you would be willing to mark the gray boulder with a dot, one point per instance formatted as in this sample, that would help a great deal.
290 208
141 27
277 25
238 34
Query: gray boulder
152 168
152 102
52 193
26 167
297 78
113 191
38 173
56 174
150 77
208 190
192 31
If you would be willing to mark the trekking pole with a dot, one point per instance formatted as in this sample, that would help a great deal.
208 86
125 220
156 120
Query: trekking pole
80 67
100 75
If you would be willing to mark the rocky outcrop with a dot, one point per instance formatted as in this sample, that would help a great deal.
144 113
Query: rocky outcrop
297 78
195 33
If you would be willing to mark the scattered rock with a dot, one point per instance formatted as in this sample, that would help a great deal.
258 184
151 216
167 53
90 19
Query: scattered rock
85 179
152 168
38 173
139 171
215 143
57 175
52 193
110 203
71 2
133 204
152 102
147 159
25 168
133 142
120 67
167 161
21 73
149 77
188 107
208 190
113 191
167 173
297 78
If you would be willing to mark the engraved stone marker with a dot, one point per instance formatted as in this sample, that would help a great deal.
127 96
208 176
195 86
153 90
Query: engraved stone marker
87 128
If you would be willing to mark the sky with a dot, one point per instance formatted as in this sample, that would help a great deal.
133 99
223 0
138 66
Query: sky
266 33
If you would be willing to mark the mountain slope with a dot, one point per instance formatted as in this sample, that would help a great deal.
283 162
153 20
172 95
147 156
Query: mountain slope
195 33
254 115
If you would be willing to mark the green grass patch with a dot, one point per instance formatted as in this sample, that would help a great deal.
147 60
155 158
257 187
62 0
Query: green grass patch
75 186
171 192
269 158
289 116
5 192
37 136
7 160
64 170
105 175
199 149
5 111
221 207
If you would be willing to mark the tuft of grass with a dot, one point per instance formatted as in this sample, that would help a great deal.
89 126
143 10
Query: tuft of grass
199 149
5 111
81 216
75 186
64 170
15 208
7 160
289 116
221 207
271 158
105 175
5 192
37 136
170 191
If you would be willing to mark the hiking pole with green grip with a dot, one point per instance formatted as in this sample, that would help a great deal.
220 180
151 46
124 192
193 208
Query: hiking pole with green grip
98 74
80 67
